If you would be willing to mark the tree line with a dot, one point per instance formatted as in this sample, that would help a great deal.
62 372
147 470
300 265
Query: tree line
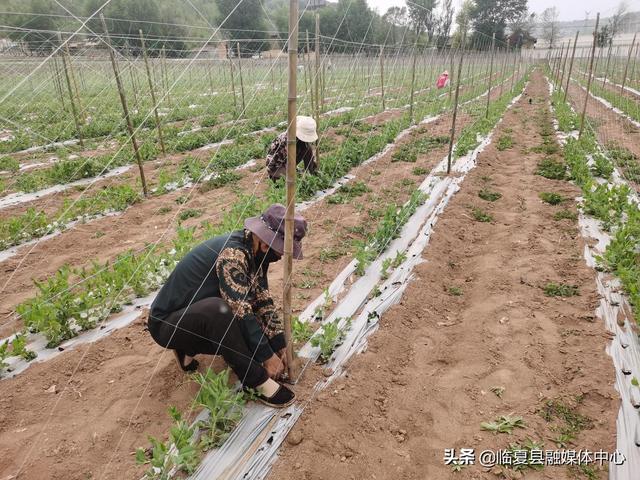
257 25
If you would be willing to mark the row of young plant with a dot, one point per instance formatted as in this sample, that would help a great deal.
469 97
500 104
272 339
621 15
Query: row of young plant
183 449
102 115
65 306
589 167
176 139
33 224
629 106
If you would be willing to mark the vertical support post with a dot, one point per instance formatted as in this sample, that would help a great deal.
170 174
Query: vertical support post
240 74
317 76
586 98
290 182
58 82
74 109
165 77
74 82
573 55
307 64
564 64
455 101
606 68
493 49
626 67
382 76
125 109
153 93
413 80
233 85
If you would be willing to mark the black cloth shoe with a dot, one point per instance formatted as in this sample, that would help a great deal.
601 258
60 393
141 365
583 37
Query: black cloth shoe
281 399
193 365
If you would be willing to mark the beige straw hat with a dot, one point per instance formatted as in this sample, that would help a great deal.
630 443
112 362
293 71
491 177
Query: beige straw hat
306 129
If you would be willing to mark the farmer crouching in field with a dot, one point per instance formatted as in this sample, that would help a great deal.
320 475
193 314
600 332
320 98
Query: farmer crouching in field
277 154
217 302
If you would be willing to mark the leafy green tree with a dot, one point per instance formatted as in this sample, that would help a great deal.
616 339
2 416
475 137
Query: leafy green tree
492 16
36 31
423 18
244 22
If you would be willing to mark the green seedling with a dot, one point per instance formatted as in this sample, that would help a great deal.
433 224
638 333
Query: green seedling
189 213
552 169
480 215
565 214
527 446
394 262
177 453
489 195
220 180
348 192
553 289
455 291
19 348
504 142
300 331
551 198
564 440
224 404
329 338
419 171
504 424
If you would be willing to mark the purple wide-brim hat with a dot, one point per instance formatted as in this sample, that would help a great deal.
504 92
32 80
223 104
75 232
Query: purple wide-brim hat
269 227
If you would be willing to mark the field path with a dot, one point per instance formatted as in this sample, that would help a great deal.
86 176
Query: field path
475 317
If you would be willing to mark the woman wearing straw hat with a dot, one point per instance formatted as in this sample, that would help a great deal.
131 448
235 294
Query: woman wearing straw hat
217 302
277 155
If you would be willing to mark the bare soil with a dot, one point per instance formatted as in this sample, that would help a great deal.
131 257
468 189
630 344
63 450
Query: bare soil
113 393
424 384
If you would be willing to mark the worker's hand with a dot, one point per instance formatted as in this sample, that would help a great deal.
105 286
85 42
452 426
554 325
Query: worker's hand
274 366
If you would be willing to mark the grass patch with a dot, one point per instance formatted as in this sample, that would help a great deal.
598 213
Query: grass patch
455 291
348 192
551 198
565 214
480 215
552 169
553 289
189 213
489 195
419 171
504 142
504 424
220 180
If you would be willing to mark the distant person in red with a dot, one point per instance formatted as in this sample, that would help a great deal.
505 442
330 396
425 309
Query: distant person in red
217 302
277 154
443 80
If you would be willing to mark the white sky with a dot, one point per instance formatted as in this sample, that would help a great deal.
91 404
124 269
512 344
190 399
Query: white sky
569 9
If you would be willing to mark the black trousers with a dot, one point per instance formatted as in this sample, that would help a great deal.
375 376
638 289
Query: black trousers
208 326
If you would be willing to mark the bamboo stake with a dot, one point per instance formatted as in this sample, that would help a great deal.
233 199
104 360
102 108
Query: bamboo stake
58 82
493 48
307 65
564 64
153 93
573 54
74 82
455 101
317 77
382 76
125 109
240 74
586 98
626 68
606 68
74 109
413 79
291 184
165 76
233 85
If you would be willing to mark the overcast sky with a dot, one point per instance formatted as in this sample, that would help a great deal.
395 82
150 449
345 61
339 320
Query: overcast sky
569 9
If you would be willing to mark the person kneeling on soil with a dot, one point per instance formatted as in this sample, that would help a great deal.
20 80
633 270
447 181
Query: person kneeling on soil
217 302
277 153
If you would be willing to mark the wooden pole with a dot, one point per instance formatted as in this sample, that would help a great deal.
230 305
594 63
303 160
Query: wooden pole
413 80
233 85
240 74
573 54
125 109
317 77
586 98
153 93
291 183
382 76
74 109
564 64
455 102
606 68
493 48
626 67
58 81
307 64
74 82
165 75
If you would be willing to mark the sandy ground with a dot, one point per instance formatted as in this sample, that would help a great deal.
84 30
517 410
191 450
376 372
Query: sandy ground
112 394
424 384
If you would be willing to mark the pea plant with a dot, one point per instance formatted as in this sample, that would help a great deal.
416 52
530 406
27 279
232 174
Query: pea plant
329 338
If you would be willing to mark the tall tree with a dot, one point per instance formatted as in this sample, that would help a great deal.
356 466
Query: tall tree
444 23
423 18
521 30
616 20
244 22
550 27
34 31
492 16
397 19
